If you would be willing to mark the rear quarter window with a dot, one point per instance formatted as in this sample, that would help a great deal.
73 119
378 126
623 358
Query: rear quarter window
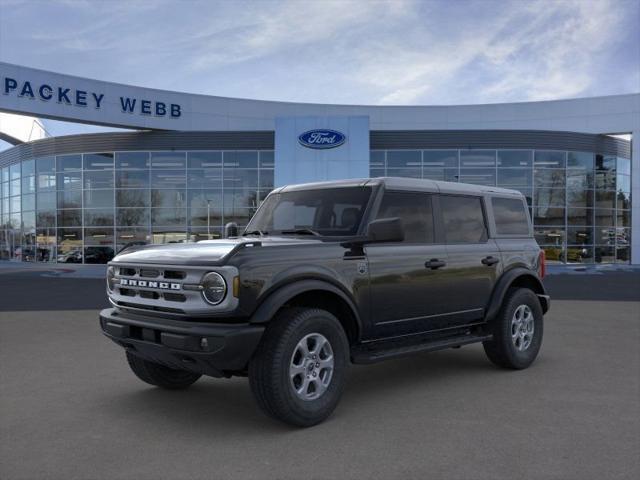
510 215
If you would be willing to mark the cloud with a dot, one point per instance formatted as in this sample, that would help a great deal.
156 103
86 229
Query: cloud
292 24
533 51
338 51
555 52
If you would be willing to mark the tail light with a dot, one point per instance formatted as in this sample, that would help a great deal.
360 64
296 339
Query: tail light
542 266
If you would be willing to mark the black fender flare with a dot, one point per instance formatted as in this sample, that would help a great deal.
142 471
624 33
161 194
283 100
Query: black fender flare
282 294
506 280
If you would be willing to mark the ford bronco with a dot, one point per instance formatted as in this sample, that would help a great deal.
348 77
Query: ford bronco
329 274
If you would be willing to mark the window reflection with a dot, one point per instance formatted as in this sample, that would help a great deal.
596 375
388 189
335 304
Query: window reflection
68 162
97 161
132 179
579 216
131 237
582 160
98 217
440 159
605 217
548 216
551 178
168 160
137 160
477 158
171 198
580 236
478 176
580 201
132 216
512 177
133 198
549 159
167 179
169 217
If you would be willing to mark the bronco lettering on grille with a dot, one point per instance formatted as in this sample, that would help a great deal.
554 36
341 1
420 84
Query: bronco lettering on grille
129 282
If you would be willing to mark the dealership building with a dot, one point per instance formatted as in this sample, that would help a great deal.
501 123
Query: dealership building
192 163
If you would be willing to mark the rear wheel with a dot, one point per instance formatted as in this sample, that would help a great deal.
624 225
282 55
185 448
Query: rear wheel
517 330
159 375
297 374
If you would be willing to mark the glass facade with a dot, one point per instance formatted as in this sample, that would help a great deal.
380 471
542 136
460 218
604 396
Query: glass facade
83 208
580 202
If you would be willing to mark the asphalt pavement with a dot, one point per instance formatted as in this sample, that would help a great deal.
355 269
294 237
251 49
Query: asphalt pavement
71 409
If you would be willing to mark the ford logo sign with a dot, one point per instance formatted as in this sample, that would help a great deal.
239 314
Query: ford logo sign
322 138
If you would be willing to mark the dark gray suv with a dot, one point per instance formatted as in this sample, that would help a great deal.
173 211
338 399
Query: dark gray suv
329 274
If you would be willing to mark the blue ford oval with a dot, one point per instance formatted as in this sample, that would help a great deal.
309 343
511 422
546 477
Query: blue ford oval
322 138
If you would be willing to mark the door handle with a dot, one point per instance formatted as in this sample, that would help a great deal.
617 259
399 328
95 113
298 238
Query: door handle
488 261
434 264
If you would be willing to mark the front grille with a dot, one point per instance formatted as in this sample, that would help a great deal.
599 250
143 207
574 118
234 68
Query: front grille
153 295
148 273
152 273
174 297
148 294
174 275
154 287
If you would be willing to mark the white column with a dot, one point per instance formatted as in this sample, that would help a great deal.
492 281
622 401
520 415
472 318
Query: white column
635 198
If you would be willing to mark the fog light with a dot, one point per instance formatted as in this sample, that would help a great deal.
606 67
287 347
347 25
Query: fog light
204 344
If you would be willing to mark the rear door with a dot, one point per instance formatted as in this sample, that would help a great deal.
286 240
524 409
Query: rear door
405 277
473 258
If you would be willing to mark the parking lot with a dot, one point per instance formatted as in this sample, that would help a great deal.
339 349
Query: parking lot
71 409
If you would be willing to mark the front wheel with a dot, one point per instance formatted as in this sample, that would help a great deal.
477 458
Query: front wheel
517 330
159 375
297 373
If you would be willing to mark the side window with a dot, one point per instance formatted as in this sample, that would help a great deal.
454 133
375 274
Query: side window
463 219
510 216
415 211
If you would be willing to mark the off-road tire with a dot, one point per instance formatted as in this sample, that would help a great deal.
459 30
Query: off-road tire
159 375
269 375
501 350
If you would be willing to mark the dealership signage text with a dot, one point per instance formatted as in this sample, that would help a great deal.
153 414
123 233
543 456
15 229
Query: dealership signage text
82 98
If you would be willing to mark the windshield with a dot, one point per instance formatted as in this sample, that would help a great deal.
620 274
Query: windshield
325 212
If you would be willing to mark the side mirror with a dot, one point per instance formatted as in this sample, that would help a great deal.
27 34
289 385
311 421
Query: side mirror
231 230
385 230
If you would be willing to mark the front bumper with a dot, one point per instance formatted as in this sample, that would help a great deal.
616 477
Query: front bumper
213 349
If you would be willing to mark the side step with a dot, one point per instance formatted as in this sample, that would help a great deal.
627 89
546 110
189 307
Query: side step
384 350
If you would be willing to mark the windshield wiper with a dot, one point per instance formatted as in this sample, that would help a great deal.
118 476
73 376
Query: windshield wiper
301 231
255 232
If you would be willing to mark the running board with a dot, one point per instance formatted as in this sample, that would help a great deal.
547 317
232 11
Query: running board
371 353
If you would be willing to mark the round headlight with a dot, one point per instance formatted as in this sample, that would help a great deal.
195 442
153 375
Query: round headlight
111 274
214 288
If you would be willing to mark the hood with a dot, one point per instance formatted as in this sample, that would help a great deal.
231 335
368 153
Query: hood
207 252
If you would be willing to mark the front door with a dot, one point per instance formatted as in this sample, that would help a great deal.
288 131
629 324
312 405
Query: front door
406 290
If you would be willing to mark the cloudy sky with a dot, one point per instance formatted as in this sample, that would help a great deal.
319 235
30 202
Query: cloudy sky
337 51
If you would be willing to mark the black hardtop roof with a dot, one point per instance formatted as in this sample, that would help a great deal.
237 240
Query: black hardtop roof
400 183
